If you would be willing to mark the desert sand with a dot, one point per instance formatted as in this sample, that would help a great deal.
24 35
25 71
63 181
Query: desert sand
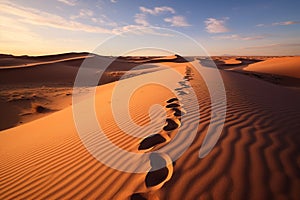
282 70
286 66
256 157
33 87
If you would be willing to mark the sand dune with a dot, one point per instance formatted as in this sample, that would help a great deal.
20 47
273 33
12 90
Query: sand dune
45 62
10 60
231 62
257 156
62 69
68 155
286 66
277 70
27 83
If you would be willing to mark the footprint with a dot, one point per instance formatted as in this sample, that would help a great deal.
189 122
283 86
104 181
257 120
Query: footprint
137 196
144 196
172 105
185 86
188 77
181 93
177 112
172 100
181 82
171 125
151 141
178 89
155 179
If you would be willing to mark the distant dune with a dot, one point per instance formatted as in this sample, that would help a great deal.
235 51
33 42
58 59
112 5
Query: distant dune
277 70
286 66
10 60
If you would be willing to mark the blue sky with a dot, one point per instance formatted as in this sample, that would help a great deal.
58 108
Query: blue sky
221 27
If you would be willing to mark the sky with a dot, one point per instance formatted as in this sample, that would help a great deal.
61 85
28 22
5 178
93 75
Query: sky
231 27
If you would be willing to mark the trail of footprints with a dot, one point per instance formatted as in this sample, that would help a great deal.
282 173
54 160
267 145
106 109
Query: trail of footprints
172 123
155 179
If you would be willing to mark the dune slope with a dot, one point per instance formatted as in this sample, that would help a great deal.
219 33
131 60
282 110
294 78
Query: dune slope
286 66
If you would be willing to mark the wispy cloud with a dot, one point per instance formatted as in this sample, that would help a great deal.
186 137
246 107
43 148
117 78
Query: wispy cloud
238 37
273 46
104 20
24 15
68 2
83 13
140 18
285 23
139 30
12 31
157 10
260 25
38 17
216 26
178 21
113 1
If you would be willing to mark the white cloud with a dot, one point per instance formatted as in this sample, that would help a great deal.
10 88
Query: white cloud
157 10
238 37
136 29
139 30
140 18
37 17
286 23
178 21
68 2
113 1
216 26
260 25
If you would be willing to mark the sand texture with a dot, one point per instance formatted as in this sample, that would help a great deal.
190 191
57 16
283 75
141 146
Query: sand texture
256 157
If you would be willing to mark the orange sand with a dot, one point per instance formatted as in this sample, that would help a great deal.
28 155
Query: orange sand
286 66
257 156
